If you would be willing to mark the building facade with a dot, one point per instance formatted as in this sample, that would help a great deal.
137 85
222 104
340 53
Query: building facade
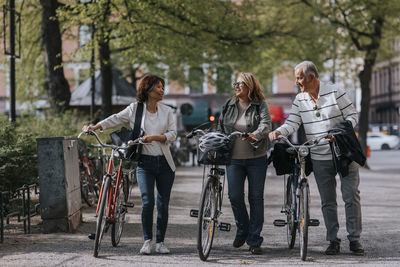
385 90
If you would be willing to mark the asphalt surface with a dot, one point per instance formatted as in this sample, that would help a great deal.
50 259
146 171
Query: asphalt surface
380 201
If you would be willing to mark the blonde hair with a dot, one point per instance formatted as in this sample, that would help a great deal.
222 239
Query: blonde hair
255 92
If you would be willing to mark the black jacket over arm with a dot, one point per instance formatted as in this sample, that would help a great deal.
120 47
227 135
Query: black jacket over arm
346 147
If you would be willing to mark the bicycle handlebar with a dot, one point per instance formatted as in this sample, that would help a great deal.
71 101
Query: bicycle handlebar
314 141
115 147
199 131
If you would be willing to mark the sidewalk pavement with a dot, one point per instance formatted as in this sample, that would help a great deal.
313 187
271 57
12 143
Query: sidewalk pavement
380 201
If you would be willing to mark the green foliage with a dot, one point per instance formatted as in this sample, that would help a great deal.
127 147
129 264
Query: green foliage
18 159
18 148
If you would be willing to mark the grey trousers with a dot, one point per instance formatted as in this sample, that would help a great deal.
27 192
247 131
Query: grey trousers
324 172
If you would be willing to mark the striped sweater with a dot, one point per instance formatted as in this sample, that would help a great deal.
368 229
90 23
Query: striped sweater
333 106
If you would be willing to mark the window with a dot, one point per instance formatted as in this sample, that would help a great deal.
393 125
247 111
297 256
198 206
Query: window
224 79
84 35
196 78
84 74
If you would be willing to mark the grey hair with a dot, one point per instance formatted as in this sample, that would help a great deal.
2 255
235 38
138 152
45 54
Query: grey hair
308 67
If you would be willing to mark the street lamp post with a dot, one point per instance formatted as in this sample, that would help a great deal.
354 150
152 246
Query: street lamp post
11 52
92 76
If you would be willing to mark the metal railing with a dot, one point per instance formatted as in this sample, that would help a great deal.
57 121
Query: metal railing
18 204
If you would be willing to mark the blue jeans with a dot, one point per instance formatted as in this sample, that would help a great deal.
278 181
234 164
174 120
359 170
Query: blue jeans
248 229
154 170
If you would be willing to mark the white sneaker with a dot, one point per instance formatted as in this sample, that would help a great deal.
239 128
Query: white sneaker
146 248
161 248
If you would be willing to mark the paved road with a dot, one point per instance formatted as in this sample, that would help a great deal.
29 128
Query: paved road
380 200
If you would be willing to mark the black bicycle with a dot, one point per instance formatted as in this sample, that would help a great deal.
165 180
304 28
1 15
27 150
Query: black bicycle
213 150
297 196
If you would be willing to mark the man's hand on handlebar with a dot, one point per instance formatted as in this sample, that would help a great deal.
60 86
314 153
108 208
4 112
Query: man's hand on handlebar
330 138
274 135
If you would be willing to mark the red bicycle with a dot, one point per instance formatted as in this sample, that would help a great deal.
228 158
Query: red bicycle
89 176
114 196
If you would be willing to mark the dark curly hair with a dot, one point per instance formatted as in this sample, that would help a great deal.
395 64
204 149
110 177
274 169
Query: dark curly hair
145 84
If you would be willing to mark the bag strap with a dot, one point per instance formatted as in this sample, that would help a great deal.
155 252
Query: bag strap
138 120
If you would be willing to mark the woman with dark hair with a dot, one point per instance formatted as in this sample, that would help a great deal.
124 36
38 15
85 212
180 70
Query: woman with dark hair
247 112
156 165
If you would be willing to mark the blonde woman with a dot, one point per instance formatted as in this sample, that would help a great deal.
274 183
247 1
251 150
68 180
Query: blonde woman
247 112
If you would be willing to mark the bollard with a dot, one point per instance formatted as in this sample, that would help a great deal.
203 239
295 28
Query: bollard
60 194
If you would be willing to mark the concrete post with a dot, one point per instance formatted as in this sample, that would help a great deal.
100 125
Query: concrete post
60 194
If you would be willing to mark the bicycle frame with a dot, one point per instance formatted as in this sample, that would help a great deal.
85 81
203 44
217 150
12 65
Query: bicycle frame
115 179
115 176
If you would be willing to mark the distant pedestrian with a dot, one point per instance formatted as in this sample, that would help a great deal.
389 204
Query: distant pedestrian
319 107
247 112
156 166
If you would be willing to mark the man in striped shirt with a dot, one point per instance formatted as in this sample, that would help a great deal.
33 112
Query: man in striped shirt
319 107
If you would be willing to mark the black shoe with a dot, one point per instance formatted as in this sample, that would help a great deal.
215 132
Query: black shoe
334 248
356 248
255 250
237 243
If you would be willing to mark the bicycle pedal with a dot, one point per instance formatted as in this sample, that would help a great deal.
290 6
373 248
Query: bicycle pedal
194 213
313 222
92 236
280 223
128 205
224 226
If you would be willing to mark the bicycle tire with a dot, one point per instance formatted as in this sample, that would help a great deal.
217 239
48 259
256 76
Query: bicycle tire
93 182
304 217
85 189
119 214
206 219
101 215
290 213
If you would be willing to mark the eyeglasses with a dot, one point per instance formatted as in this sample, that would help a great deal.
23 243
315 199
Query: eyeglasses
316 108
237 84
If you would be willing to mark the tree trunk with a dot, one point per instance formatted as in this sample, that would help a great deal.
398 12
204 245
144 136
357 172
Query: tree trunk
105 63
106 78
365 79
56 85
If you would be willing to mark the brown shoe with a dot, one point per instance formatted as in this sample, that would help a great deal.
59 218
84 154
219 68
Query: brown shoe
255 250
356 248
333 248
237 243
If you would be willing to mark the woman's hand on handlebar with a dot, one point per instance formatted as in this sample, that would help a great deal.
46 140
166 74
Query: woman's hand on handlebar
250 138
87 128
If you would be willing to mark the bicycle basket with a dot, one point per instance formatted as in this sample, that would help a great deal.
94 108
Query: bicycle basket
214 148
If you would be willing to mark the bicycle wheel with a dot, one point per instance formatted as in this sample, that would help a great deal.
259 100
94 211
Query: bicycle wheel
290 213
102 216
206 220
85 189
304 217
119 214
94 182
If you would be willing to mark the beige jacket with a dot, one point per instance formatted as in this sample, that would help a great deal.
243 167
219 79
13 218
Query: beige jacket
128 116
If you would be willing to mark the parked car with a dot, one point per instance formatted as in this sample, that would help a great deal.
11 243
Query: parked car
382 141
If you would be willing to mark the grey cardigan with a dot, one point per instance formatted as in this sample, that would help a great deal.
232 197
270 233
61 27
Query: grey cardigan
128 116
